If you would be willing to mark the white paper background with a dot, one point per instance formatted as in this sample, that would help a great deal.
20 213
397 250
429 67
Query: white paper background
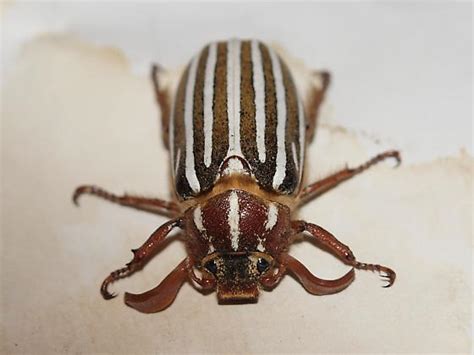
73 113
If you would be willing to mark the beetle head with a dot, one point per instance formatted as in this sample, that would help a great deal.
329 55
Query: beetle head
237 274
235 239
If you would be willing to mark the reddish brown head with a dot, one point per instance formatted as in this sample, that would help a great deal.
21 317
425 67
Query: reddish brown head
234 239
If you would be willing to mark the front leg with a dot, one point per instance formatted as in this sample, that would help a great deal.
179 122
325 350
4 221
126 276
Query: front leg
153 205
341 250
140 255
315 189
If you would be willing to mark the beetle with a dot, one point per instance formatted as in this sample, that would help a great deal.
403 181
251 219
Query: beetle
237 129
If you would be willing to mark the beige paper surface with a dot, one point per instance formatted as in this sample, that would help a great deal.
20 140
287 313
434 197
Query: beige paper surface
74 114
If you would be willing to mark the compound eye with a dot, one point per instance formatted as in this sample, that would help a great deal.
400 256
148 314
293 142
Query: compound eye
262 265
211 266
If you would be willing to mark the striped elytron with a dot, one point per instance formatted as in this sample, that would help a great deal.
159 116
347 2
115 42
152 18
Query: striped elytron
237 127
237 99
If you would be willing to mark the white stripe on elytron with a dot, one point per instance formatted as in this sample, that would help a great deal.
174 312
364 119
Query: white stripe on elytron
295 158
233 219
234 166
280 171
233 96
272 216
197 216
188 127
302 134
259 89
208 102
178 157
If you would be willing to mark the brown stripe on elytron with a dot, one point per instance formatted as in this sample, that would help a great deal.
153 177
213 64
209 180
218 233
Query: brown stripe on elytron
264 172
220 128
290 181
248 127
181 182
205 181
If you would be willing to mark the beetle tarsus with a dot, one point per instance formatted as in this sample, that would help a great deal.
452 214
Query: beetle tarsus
386 274
114 276
104 289
106 294
319 187
140 256
153 205
342 251
382 156
78 192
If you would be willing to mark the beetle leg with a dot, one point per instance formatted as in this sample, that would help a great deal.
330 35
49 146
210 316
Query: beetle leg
163 98
205 282
153 205
314 284
274 278
319 187
161 296
140 256
342 251
320 83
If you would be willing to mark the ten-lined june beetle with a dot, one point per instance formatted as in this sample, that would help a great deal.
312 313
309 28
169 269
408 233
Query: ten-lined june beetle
237 131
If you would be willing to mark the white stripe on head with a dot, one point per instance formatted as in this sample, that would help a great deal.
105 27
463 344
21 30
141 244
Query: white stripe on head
234 220
208 102
211 248
188 127
280 171
259 89
197 217
272 216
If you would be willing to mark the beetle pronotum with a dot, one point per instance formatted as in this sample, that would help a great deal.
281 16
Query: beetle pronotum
237 131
